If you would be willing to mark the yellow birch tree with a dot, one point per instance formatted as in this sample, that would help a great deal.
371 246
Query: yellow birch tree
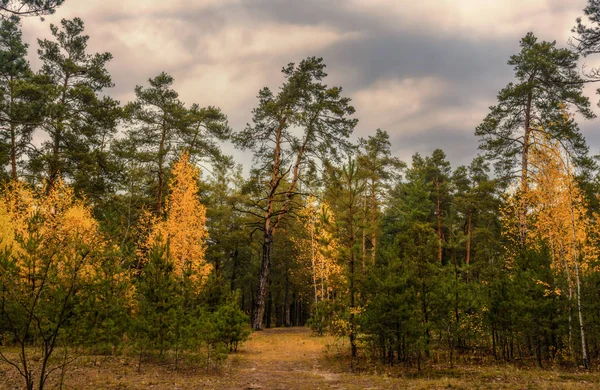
319 248
558 218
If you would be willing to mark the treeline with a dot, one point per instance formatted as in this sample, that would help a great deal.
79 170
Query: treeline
125 229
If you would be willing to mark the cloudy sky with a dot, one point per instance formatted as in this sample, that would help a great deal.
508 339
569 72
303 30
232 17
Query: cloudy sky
425 70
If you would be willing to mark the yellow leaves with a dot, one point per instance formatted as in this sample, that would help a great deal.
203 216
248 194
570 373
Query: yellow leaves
77 219
61 225
319 248
557 213
7 231
548 290
18 204
542 283
183 227
559 207
357 310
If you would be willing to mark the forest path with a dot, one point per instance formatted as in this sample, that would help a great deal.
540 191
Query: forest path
285 358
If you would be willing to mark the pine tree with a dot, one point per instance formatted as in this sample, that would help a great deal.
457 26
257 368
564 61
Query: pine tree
476 200
17 111
587 40
380 170
160 127
9 8
323 116
78 122
546 81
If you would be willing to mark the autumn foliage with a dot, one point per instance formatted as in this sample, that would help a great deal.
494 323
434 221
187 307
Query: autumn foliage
182 228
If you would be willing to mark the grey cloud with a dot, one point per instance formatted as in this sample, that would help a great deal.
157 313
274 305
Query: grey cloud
460 147
381 50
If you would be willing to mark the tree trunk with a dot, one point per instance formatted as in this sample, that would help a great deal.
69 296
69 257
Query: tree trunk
364 235
373 227
352 305
525 170
352 237
469 222
263 277
13 152
269 308
13 140
58 132
312 255
584 355
570 284
161 147
438 212
286 302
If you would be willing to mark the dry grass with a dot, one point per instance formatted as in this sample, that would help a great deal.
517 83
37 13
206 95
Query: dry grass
293 359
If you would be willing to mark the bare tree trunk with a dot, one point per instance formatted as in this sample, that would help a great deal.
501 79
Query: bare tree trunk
469 222
161 147
570 284
525 170
58 133
438 212
373 227
352 237
286 302
364 235
312 255
13 140
352 305
263 277
584 355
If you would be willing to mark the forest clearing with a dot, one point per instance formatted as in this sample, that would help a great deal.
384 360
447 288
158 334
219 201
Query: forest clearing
293 359
206 206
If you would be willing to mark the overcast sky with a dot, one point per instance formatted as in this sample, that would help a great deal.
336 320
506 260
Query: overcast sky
425 71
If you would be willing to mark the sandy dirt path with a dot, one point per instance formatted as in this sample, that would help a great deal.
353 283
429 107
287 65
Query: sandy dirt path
285 358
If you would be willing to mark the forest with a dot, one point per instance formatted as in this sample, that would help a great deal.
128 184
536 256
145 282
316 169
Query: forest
126 230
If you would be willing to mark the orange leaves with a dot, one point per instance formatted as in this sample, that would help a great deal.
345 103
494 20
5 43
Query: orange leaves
183 227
